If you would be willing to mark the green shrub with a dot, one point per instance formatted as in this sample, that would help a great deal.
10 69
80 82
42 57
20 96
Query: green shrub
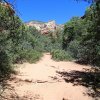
60 55
30 56
73 48
5 63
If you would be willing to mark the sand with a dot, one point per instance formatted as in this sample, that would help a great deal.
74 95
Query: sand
40 81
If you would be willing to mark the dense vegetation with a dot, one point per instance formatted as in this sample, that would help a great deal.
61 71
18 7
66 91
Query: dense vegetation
16 41
82 36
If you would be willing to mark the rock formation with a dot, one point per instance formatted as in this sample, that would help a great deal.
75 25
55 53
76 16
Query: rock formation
44 27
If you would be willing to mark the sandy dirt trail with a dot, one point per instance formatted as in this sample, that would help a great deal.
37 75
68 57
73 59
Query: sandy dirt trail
41 81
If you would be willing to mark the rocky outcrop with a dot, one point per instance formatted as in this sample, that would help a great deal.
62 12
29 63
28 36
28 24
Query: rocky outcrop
43 27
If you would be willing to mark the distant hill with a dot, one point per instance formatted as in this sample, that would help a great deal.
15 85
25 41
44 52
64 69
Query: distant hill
44 27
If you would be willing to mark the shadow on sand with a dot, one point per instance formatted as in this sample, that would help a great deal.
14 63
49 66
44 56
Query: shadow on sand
89 78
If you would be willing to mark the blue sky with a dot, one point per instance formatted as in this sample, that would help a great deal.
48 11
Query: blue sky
44 10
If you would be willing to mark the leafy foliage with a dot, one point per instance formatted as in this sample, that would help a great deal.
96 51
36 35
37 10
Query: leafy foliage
82 38
30 55
16 41
60 55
